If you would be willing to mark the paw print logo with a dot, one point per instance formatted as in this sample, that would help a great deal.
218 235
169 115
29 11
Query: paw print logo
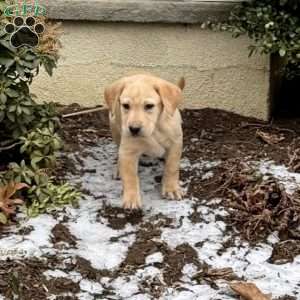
24 32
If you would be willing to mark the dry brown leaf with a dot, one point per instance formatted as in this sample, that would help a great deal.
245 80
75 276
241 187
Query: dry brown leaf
49 42
258 205
269 138
211 276
224 273
294 159
249 291
7 204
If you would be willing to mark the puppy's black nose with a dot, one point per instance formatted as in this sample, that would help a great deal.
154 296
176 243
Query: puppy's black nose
134 130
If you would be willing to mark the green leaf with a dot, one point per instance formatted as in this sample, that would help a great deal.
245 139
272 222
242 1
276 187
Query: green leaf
3 98
19 110
6 61
282 52
3 218
56 144
11 117
3 5
23 148
34 162
11 93
12 108
26 110
20 70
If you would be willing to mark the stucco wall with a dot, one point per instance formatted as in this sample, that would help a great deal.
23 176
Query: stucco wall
217 69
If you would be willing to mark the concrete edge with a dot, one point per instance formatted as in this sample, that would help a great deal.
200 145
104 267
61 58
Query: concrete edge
140 11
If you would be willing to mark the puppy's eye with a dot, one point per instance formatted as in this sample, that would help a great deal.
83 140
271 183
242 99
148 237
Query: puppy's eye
126 106
149 106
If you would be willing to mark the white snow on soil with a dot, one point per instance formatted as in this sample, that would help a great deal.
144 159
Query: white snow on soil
206 237
94 236
35 244
156 257
290 180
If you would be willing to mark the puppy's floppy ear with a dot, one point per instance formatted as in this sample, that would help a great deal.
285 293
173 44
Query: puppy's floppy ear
181 83
112 94
170 94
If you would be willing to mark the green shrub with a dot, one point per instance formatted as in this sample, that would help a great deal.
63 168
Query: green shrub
273 26
46 197
41 145
42 195
28 127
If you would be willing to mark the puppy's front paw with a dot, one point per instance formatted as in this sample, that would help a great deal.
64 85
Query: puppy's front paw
132 201
172 190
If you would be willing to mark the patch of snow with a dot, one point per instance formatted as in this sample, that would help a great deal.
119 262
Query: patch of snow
91 287
156 257
140 297
197 292
290 180
105 281
85 296
188 271
94 237
74 276
192 233
207 175
36 243
148 272
273 238
125 288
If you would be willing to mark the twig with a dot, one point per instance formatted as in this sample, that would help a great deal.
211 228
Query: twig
82 112
224 185
10 146
270 125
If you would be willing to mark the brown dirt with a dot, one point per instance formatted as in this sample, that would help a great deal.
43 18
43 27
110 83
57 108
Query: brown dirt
118 218
223 135
61 233
26 280
84 267
175 260
285 252
147 242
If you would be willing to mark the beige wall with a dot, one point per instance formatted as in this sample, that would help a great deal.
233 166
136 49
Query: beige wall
217 69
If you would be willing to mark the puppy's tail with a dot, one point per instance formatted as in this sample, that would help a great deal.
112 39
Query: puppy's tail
181 83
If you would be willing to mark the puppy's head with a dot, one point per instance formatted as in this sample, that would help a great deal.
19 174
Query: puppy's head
140 101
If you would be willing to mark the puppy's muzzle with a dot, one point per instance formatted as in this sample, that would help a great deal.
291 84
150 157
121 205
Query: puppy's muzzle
135 131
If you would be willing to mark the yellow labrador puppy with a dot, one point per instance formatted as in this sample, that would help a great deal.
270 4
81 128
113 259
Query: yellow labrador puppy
144 119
